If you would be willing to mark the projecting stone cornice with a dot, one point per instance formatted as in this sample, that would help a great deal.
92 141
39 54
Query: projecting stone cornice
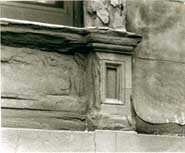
60 38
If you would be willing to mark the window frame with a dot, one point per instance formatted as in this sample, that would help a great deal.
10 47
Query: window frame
120 85
72 12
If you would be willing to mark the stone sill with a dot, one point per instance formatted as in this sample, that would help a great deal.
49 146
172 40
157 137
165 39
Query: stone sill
29 140
51 37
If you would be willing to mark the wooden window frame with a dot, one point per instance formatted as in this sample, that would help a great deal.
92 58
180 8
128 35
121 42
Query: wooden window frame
72 14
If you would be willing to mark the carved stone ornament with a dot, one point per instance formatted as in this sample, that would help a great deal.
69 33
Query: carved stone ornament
66 39
105 13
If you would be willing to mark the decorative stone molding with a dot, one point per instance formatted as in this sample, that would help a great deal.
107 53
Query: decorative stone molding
66 39
107 64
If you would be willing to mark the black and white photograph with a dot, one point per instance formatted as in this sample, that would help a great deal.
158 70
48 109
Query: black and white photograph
92 76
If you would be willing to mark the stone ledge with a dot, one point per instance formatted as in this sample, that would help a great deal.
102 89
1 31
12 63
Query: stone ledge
59 38
32 140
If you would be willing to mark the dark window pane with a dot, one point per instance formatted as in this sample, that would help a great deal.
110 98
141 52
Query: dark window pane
111 82
56 4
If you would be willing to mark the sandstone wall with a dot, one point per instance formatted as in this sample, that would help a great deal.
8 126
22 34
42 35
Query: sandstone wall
42 89
54 77
159 65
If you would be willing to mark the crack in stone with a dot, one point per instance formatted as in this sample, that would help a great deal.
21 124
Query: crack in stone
161 60
17 98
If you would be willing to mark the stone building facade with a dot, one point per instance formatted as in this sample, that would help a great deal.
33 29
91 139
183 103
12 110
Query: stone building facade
118 65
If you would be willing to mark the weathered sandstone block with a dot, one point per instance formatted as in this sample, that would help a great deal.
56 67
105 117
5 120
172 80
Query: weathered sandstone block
161 24
51 76
38 84
159 89
159 82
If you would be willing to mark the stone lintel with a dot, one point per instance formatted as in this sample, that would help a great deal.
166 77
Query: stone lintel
60 38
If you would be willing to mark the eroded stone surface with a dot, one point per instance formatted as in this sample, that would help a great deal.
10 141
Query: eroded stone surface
162 25
105 13
46 86
109 116
159 89
38 82
35 72
115 2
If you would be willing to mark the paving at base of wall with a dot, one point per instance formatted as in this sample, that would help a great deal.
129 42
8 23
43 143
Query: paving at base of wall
32 140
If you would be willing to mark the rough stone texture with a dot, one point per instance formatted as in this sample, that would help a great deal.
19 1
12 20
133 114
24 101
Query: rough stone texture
162 24
101 115
158 95
105 13
29 140
159 64
49 37
51 75
47 83
159 88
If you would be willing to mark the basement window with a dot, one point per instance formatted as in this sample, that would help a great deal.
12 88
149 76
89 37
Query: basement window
112 81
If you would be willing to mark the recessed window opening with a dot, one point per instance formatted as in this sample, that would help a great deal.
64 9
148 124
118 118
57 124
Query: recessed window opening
112 81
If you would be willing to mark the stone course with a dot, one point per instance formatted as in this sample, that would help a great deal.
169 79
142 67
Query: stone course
29 140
